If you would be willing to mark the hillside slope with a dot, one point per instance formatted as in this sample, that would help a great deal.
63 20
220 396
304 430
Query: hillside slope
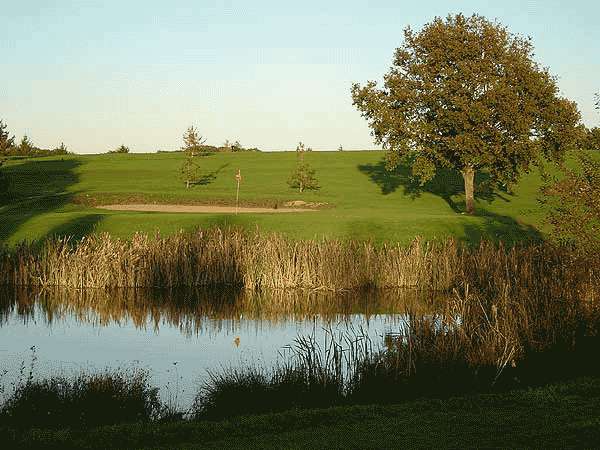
56 195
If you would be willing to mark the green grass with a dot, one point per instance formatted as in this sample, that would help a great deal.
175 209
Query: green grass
53 195
562 415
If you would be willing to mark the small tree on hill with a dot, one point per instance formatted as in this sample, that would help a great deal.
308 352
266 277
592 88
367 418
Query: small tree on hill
7 142
26 146
192 141
192 145
465 93
61 149
120 149
303 176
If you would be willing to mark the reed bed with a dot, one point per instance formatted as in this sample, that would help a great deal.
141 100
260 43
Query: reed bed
230 257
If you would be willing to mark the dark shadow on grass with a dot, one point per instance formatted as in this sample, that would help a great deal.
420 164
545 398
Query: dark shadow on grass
449 184
499 228
446 184
209 177
77 228
37 187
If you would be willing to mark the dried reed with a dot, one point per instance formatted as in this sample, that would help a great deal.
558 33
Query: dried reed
218 257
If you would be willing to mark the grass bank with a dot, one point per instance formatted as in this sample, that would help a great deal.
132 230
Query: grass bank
561 415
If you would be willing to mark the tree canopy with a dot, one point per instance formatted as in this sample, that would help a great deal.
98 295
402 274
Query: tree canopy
465 93
6 141
192 141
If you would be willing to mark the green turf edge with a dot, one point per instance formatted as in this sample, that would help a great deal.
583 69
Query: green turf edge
559 415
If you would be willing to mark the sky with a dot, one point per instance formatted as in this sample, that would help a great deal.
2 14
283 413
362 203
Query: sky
98 74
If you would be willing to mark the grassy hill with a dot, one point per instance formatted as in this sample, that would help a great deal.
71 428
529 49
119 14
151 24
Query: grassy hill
56 195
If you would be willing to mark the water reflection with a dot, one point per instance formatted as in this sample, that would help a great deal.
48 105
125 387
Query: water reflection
195 311
179 335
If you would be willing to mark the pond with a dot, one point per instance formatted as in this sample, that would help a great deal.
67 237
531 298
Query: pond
181 335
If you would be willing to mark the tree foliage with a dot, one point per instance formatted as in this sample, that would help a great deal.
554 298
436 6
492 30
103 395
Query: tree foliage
26 146
120 149
574 200
591 140
61 149
303 176
192 145
6 140
192 141
465 93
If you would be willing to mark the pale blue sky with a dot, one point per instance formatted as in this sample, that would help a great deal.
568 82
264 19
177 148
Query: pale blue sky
96 74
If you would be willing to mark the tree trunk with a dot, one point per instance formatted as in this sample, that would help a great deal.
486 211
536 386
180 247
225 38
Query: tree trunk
187 184
469 177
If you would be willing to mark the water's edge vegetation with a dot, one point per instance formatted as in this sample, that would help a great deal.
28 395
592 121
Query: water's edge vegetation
515 317
230 257
515 419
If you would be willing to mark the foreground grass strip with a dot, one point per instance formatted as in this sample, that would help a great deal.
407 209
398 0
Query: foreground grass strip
555 416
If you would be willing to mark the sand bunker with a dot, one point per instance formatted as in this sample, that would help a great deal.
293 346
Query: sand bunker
200 209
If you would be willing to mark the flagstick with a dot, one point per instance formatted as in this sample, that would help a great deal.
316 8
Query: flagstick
237 197
238 177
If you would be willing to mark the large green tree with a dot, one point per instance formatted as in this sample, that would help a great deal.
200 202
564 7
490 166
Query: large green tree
465 93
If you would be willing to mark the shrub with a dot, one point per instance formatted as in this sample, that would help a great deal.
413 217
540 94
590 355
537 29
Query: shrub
575 204
121 149
86 400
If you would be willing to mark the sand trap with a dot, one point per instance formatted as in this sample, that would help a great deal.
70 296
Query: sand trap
199 209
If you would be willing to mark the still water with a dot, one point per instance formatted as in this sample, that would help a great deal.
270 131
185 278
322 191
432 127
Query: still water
181 335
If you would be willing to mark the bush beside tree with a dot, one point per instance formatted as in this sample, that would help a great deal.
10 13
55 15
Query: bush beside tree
574 200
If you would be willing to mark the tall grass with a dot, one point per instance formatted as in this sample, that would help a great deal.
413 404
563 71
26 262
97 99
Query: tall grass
104 398
218 257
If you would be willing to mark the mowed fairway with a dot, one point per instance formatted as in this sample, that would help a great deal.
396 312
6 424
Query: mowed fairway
56 196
